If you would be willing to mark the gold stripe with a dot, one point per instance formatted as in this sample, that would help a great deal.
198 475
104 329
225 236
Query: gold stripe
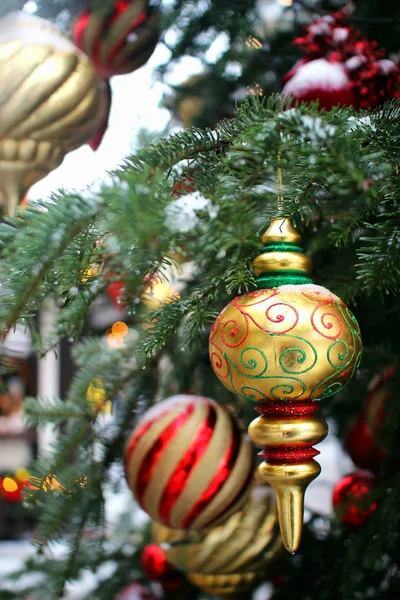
146 442
171 456
72 120
120 28
13 100
204 472
281 261
151 32
91 33
59 104
234 483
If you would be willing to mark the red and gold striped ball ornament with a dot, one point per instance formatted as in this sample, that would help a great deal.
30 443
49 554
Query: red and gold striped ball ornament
286 344
188 463
119 42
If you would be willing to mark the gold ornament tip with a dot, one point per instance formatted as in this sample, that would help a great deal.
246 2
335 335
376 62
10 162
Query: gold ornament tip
281 230
290 482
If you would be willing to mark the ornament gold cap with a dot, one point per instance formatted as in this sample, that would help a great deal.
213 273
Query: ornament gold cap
281 230
282 260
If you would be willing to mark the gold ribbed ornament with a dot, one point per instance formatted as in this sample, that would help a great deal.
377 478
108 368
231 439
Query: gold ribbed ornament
50 102
232 558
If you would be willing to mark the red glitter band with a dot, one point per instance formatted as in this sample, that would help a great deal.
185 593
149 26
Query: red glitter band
224 471
288 455
152 457
187 464
287 408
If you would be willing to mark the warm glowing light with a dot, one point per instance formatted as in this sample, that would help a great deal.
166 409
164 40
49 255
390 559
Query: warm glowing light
285 2
120 328
115 340
97 397
255 89
253 42
22 475
158 293
9 484
91 271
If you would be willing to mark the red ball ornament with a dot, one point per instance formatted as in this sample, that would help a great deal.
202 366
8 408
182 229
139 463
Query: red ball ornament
120 42
323 81
187 462
349 497
155 564
341 67
157 568
115 292
135 591
362 439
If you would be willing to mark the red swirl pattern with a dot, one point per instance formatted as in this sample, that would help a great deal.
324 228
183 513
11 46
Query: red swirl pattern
326 324
288 343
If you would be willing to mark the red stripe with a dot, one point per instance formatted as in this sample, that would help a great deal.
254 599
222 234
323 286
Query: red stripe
80 29
223 473
243 490
152 457
187 464
140 19
135 439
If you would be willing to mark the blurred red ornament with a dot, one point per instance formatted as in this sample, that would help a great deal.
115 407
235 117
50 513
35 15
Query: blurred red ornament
11 489
154 563
323 81
349 498
157 568
115 292
359 75
121 41
135 591
362 439
362 448
117 43
183 187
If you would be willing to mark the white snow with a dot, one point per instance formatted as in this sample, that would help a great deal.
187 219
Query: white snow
386 66
340 34
355 62
308 287
317 73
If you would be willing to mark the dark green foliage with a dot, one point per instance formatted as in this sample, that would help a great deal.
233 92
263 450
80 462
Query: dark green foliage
340 186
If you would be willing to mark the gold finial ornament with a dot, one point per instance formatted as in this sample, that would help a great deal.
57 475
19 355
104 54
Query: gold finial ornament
232 558
285 345
50 102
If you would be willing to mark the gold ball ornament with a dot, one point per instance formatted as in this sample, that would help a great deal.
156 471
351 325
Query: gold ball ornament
232 558
50 102
285 345
187 462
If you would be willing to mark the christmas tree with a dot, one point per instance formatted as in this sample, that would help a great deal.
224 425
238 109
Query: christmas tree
173 236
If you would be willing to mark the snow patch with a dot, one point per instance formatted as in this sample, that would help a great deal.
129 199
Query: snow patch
308 287
317 73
